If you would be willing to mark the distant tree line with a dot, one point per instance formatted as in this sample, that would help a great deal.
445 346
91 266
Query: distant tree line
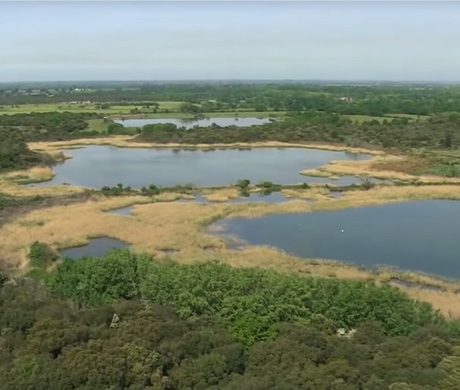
343 99
436 133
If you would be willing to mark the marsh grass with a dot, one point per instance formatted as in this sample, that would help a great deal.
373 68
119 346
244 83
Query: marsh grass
128 142
12 183
380 167
221 195
181 229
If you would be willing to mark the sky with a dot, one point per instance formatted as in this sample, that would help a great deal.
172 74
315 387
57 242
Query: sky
58 41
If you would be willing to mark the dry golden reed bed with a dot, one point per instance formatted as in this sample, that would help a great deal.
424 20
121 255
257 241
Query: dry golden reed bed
10 183
373 168
127 142
180 228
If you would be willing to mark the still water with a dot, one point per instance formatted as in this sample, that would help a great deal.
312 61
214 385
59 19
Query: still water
421 236
190 123
97 166
97 247
124 211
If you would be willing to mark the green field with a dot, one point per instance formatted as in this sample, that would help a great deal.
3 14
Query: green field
389 117
167 109
409 116
90 107
366 118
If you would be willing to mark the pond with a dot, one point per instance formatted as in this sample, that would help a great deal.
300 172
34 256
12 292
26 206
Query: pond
97 247
97 166
190 123
121 211
421 236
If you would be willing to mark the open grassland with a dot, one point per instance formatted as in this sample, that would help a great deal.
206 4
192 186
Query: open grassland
166 109
389 117
88 107
366 118
409 116
180 230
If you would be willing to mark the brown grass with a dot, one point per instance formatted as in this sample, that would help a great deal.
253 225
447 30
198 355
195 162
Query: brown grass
379 167
127 141
10 183
221 195
181 228
447 302
312 194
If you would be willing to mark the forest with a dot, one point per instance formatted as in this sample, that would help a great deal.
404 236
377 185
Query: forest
400 134
127 321
365 99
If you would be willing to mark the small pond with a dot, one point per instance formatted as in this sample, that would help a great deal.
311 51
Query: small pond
121 211
97 247
421 236
96 166
190 123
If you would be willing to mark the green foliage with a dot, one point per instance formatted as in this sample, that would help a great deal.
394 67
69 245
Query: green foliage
45 126
189 108
42 255
243 184
169 128
15 154
252 300
323 127
116 128
117 190
234 329
116 275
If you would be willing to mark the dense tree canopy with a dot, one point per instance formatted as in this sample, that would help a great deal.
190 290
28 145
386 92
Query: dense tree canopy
133 323
436 133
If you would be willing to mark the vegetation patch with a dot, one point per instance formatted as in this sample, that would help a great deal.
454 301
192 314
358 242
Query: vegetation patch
210 326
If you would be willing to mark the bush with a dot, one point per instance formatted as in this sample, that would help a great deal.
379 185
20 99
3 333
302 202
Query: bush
42 255
243 184
238 295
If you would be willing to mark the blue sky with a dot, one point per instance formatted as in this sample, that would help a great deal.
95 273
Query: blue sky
229 40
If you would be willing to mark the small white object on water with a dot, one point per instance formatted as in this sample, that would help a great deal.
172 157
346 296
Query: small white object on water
343 230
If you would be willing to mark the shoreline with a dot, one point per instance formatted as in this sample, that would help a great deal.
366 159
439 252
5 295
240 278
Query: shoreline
182 227
127 142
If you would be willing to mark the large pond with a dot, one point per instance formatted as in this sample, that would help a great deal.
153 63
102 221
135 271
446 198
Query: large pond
421 236
97 247
190 123
96 166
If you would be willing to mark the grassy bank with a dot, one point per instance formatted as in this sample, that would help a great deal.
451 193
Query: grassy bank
181 229
128 142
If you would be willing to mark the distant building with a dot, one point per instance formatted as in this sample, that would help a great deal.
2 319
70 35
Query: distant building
347 99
